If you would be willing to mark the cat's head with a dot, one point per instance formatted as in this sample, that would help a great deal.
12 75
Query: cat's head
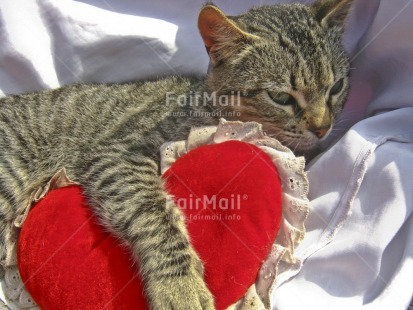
286 61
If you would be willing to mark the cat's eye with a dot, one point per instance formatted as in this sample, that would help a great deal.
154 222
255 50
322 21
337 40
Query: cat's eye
337 87
282 98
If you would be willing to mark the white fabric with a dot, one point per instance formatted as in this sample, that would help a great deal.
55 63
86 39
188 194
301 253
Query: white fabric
358 250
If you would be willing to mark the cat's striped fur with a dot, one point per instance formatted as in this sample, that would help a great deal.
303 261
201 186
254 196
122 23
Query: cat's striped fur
108 136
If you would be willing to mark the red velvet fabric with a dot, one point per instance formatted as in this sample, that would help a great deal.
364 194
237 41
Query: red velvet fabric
230 194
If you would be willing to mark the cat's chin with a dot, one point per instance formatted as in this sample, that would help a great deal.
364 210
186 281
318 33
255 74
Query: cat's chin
301 145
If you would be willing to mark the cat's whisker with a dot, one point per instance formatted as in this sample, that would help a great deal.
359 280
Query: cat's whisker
296 146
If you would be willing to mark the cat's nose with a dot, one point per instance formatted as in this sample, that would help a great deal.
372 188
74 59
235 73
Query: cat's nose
321 132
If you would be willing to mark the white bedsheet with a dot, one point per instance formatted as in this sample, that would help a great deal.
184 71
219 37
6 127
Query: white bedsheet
359 247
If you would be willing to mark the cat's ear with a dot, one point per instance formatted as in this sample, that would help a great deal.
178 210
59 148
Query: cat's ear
331 13
222 37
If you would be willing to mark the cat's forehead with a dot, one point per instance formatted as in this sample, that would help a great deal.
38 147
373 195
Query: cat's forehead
291 26
293 45
287 18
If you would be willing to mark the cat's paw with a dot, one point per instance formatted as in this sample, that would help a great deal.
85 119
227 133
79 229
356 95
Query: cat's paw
186 292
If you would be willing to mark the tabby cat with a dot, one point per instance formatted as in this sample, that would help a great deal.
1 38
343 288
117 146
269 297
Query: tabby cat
284 63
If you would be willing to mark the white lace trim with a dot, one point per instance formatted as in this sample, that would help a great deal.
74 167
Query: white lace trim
16 295
295 204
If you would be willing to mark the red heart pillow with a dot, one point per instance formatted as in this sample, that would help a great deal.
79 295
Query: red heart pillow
230 194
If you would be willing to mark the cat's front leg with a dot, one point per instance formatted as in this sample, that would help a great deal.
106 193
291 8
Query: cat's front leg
129 197
176 279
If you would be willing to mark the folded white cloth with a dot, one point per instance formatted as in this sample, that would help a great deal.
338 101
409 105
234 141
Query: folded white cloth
359 243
